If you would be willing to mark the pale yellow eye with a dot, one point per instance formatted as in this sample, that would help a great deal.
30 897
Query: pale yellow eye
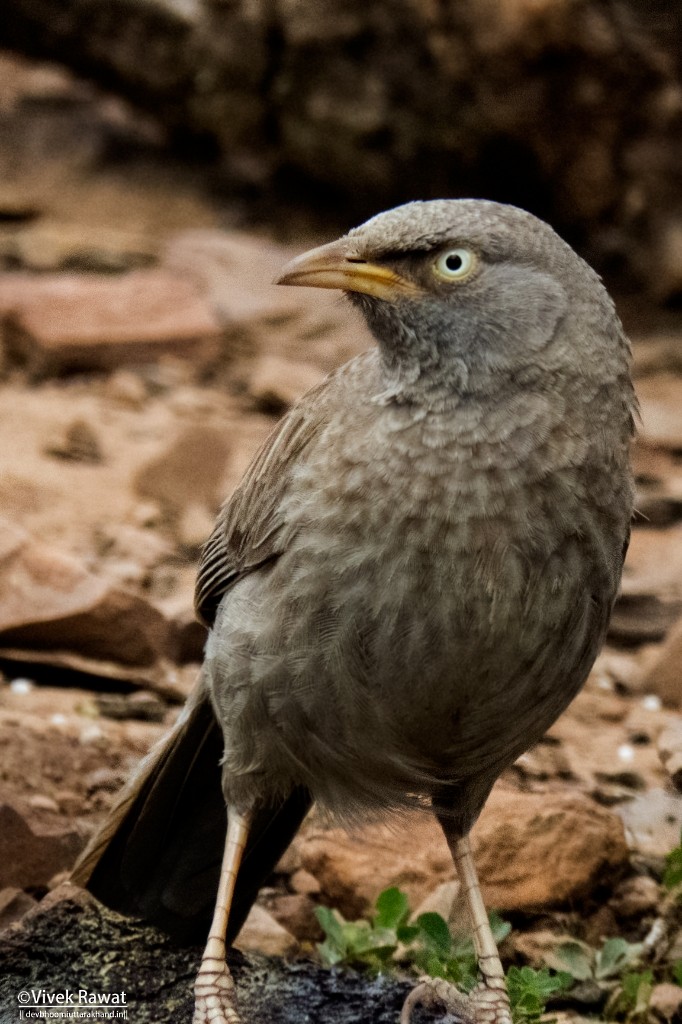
455 264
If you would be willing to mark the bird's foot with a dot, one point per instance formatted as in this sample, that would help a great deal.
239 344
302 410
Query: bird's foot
487 1003
215 996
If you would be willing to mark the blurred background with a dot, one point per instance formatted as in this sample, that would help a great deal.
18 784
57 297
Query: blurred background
159 161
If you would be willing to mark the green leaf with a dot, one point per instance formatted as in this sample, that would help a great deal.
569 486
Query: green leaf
334 948
672 876
500 927
529 989
577 958
393 909
677 972
436 932
614 956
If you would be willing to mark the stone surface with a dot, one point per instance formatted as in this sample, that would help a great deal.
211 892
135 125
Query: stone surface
49 602
660 398
653 821
189 472
669 746
531 852
68 321
70 942
31 857
664 677
261 933
275 384
665 1001
14 903
296 913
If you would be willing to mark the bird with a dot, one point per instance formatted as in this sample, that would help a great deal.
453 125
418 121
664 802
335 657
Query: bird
409 585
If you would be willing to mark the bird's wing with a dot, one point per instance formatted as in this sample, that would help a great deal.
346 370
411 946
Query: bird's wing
248 531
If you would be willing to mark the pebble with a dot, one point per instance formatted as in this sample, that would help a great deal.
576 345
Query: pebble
21 686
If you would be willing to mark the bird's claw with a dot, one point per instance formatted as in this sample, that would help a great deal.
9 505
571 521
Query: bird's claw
215 995
485 1004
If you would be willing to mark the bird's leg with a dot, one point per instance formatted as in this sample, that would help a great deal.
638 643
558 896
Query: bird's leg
215 999
488 1002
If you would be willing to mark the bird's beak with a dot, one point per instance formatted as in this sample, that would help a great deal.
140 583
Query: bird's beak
335 266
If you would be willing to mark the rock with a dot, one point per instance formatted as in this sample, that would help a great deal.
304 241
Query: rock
117 954
660 398
652 822
49 602
235 270
194 526
651 593
532 851
538 850
656 353
261 933
304 883
53 245
538 948
69 321
669 748
275 384
80 444
664 677
14 903
41 802
441 901
665 1000
128 388
635 897
353 868
296 913
140 706
189 472
30 858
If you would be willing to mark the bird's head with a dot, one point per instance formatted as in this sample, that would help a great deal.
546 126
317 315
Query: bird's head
465 288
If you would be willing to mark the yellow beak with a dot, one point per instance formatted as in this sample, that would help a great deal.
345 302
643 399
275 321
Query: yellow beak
335 266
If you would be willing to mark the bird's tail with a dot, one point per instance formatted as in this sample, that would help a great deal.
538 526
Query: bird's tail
158 854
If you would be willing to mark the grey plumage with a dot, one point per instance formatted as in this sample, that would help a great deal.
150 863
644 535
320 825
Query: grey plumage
417 571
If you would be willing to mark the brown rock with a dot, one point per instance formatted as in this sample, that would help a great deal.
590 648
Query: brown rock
652 821
532 851
304 883
275 384
353 868
70 321
636 896
80 444
669 748
296 914
664 678
189 472
50 602
31 858
261 933
660 398
14 903
537 850
665 1000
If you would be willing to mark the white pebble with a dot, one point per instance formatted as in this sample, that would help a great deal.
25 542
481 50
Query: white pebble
21 686
626 753
651 702
58 719
90 733
603 682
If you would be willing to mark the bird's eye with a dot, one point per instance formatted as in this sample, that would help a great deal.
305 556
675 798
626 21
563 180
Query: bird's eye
455 264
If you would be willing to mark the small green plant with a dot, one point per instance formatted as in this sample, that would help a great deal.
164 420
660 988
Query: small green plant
390 941
672 876
630 999
601 965
529 990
